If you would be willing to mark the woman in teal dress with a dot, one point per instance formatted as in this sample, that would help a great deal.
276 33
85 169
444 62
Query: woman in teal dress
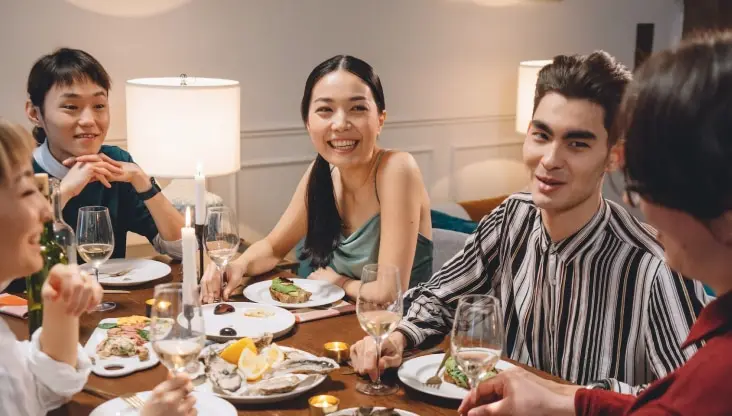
357 202
68 104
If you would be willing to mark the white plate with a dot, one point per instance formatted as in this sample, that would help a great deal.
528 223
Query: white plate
278 324
129 364
206 404
414 373
323 293
314 380
143 271
352 411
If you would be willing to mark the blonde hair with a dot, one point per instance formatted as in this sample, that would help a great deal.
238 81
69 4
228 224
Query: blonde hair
16 146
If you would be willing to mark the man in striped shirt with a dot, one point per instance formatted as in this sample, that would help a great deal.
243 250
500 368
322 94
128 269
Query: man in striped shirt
585 292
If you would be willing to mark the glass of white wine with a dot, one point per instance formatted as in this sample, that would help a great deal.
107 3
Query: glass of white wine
476 341
95 241
222 237
379 309
176 345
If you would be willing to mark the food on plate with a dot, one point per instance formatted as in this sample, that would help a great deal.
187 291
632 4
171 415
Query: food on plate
227 332
125 338
370 411
258 313
232 352
277 385
223 375
223 308
286 291
455 376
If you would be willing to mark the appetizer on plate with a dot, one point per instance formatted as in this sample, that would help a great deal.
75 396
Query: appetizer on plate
126 338
453 375
286 291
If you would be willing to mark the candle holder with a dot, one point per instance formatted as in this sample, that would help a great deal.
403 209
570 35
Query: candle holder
200 228
323 404
338 351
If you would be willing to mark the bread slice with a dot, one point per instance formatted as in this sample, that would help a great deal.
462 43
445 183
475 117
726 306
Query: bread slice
446 376
295 297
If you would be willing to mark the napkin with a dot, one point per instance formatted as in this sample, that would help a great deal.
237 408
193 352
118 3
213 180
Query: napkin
311 314
13 305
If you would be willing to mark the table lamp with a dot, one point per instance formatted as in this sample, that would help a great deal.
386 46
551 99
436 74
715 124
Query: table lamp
185 128
527 75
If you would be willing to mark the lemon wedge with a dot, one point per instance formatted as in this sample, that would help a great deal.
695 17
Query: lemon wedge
274 355
252 366
234 351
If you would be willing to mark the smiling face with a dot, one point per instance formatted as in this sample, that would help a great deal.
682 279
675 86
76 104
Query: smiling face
23 210
343 119
75 118
566 151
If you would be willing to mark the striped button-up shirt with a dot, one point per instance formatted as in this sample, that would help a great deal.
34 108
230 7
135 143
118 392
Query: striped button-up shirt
599 305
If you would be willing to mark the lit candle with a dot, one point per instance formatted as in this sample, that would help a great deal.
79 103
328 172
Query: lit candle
200 179
338 351
323 405
188 235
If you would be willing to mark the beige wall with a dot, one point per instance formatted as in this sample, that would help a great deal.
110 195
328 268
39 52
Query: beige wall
448 68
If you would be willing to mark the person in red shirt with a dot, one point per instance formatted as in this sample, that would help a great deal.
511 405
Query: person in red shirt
676 120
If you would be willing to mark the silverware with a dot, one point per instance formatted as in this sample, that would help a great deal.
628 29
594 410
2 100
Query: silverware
436 380
118 273
434 350
133 400
115 291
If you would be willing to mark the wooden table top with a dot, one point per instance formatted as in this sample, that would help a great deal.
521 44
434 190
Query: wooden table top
308 336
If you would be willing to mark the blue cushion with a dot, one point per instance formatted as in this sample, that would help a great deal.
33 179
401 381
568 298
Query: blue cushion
445 221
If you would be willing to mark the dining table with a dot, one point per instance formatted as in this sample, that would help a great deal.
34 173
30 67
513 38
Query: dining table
308 336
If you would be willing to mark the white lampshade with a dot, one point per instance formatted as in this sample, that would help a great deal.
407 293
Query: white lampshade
172 128
527 75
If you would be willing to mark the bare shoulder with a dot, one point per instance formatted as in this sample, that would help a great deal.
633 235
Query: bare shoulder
396 165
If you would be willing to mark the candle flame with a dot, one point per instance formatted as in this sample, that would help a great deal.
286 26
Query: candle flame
199 169
188 216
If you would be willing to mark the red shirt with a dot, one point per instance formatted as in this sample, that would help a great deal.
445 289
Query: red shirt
702 386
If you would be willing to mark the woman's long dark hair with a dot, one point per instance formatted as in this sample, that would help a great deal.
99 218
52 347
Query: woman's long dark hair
324 221
65 67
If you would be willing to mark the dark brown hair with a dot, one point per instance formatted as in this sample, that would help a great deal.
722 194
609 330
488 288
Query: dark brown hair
596 77
676 119
65 67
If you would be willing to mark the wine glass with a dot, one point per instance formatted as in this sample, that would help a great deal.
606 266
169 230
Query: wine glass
176 345
222 237
379 309
95 241
476 341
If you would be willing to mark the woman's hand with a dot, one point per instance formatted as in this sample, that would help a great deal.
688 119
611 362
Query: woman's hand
171 398
327 274
212 284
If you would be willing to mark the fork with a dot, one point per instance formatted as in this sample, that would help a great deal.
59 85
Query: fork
436 380
133 400
118 273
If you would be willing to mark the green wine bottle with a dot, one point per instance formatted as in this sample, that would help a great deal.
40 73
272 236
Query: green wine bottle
52 253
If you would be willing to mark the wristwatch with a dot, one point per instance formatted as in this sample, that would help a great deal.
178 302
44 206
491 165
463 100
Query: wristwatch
154 190
598 385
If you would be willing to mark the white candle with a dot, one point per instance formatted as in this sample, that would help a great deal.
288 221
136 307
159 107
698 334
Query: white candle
200 179
188 235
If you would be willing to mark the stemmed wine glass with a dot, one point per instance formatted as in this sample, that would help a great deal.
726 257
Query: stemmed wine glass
222 237
476 341
176 345
379 309
95 241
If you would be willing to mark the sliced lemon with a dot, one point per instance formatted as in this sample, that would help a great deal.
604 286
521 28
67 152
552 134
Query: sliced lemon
234 351
252 366
274 355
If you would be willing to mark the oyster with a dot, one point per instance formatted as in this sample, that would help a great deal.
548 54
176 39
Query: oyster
369 411
306 366
222 374
263 341
276 385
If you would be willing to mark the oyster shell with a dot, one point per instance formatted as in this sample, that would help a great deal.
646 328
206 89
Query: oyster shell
369 411
276 385
223 375
263 341
306 366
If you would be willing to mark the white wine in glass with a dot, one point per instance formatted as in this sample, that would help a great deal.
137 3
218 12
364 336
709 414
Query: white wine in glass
176 327
95 241
379 309
222 237
477 336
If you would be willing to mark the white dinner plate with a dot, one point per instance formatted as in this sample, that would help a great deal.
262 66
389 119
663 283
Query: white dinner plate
206 404
142 271
415 372
116 366
352 412
310 382
323 293
278 323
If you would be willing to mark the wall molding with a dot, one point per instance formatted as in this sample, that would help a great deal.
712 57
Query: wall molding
454 148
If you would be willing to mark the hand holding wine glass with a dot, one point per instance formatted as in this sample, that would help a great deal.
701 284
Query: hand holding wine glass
222 239
477 336
95 241
379 309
